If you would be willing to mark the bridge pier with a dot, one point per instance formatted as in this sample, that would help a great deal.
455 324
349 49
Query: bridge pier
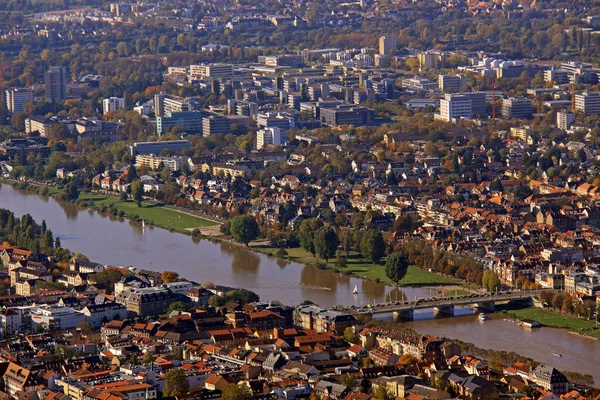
443 311
404 315
488 306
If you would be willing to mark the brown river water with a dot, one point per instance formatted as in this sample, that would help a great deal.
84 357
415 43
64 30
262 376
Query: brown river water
109 240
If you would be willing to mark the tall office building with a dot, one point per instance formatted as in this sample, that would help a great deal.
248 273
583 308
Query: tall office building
17 99
55 83
564 119
588 103
453 82
112 104
387 44
430 59
517 107
454 107
267 137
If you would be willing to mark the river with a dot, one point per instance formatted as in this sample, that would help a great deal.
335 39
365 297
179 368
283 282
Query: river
579 354
113 241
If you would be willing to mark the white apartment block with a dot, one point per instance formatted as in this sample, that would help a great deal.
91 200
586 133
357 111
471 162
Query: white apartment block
112 104
268 136
454 107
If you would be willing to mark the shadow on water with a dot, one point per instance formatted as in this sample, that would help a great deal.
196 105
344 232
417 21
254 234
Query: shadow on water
242 260
396 295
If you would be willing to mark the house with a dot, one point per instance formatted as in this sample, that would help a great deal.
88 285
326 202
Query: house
549 378
331 390
18 379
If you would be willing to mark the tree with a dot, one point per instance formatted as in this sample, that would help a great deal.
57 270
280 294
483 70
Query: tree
85 327
382 394
244 229
349 381
177 306
237 392
137 192
148 358
407 359
350 336
176 383
64 352
396 267
306 234
169 276
372 245
71 192
490 281
326 242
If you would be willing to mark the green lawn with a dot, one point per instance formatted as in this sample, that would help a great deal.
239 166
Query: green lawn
150 212
357 265
555 319
31 187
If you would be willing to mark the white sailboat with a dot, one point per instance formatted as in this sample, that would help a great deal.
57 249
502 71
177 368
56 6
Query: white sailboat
143 224
355 291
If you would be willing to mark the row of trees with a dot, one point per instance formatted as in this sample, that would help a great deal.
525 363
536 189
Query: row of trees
26 233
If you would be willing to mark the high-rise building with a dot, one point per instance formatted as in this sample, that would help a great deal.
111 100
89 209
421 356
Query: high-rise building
588 102
454 107
564 119
452 82
387 44
17 99
112 104
55 83
430 59
517 107
215 124
165 104
210 70
478 106
190 121
267 137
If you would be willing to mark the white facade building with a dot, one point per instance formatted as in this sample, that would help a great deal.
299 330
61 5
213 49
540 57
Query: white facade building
112 104
268 136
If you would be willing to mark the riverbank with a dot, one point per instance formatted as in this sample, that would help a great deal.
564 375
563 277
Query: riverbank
172 219
555 319
152 213
359 267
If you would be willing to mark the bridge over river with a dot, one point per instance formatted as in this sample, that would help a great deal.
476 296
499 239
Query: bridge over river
445 306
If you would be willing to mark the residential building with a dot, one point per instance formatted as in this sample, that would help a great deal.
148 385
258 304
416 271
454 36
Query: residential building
112 104
419 84
564 119
17 99
344 115
430 59
268 137
588 102
517 107
210 70
215 124
550 379
454 107
322 320
190 121
165 104
452 82
387 44
40 124
55 84
154 163
176 146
